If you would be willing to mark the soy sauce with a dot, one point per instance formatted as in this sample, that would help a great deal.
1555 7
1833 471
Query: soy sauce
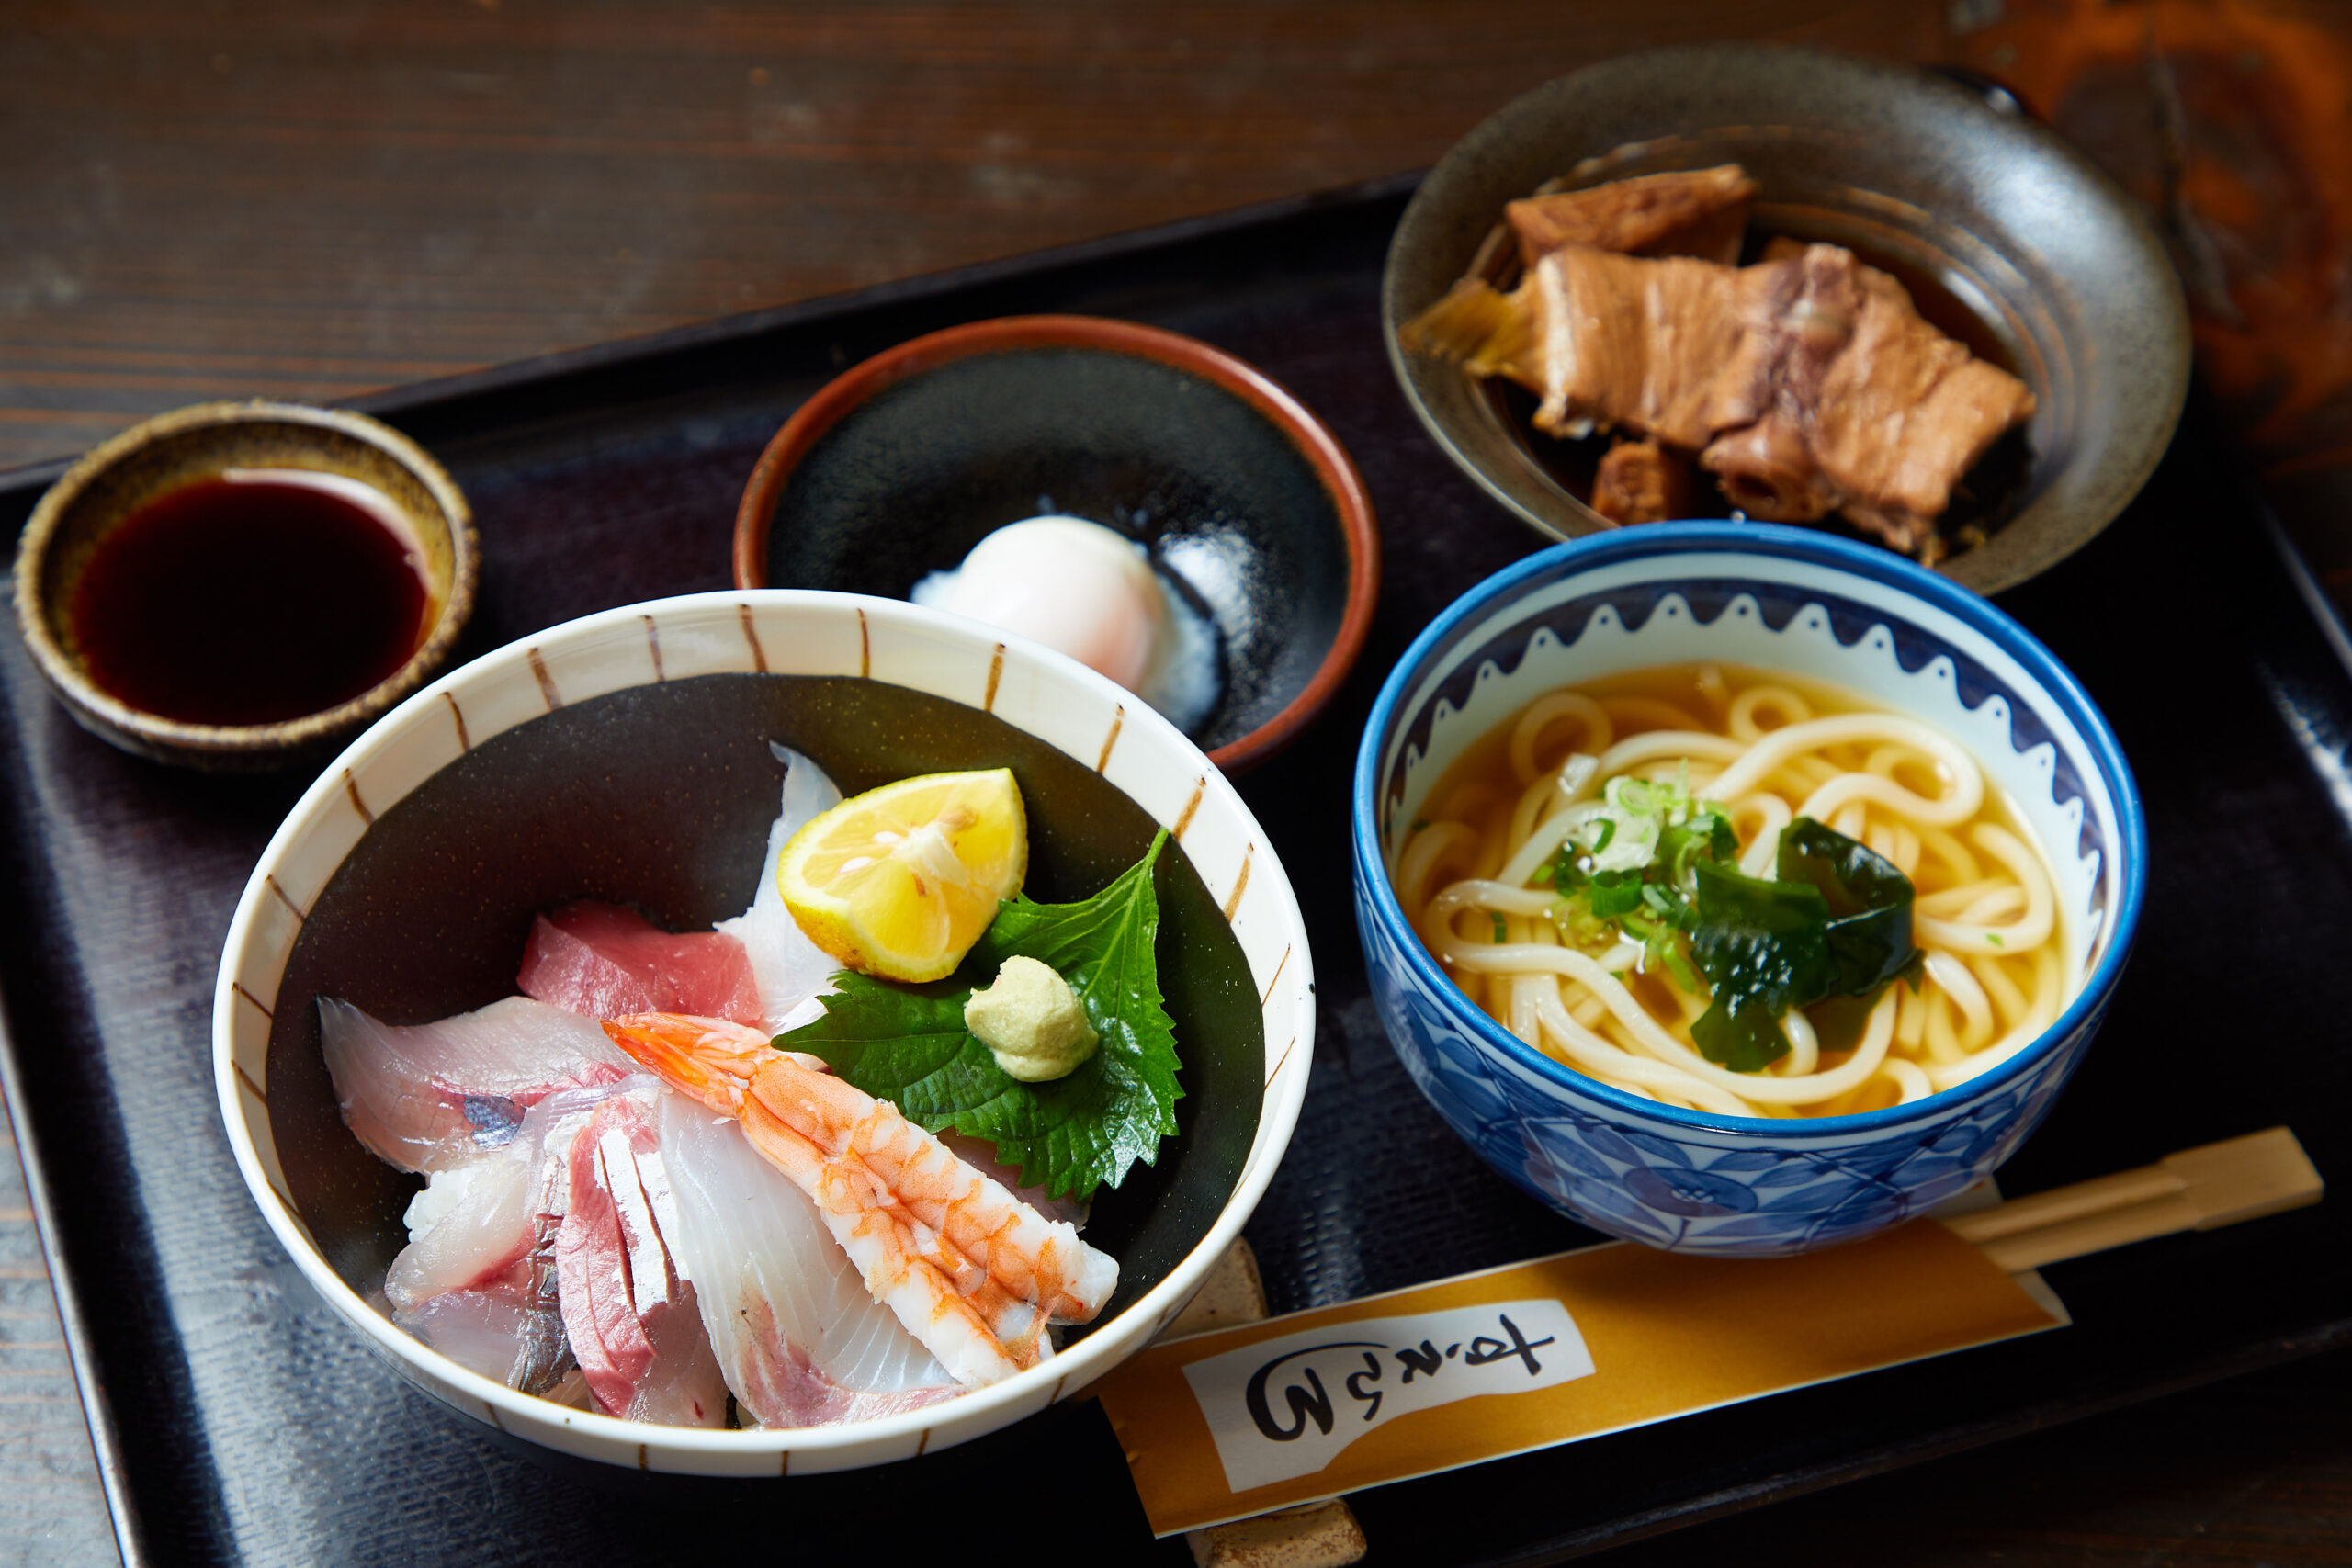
261 595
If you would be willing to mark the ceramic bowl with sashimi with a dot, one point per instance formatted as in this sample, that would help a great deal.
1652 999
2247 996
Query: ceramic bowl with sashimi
517 1042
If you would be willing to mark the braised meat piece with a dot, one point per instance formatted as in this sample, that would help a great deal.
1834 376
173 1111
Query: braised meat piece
1667 348
1904 412
1767 471
1642 481
1807 383
1703 213
1870 410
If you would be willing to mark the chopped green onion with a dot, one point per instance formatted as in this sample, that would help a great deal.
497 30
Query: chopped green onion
1614 893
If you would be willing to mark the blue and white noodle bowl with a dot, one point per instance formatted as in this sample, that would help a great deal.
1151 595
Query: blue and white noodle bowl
1807 605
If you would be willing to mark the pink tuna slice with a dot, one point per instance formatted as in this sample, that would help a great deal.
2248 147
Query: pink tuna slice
605 962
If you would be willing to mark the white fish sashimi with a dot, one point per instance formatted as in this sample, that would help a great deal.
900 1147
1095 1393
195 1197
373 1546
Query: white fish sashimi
499 1331
429 1096
801 1340
476 1220
471 1223
790 970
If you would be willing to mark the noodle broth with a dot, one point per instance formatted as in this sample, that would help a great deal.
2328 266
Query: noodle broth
2001 961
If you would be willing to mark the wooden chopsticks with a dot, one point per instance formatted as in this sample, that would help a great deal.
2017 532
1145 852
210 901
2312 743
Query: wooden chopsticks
2216 1184
2198 1189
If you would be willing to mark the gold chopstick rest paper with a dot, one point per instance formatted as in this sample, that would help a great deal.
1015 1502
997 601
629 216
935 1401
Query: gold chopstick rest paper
1306 1407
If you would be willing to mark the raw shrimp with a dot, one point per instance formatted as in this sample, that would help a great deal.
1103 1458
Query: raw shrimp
973 1272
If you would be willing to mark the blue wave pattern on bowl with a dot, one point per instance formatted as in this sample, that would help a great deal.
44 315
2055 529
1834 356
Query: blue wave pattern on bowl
1772 598
1705 601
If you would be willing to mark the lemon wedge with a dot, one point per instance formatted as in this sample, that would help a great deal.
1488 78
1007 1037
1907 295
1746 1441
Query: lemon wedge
900 882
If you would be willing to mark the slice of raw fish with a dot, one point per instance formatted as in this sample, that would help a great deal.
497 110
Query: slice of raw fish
428 1096
628 1309
776 1386
478 1278
478 1219
499 1331
801 1340
792 971
471 1223
602 961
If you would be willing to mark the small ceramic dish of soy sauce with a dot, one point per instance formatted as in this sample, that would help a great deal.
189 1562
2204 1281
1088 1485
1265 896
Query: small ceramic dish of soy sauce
240 587
2007 240
1240 516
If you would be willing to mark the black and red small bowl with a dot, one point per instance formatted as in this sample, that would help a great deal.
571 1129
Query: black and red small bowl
900 465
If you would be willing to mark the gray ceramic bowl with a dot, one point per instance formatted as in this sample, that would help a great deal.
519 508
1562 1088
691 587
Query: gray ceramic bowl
171 451
1899 166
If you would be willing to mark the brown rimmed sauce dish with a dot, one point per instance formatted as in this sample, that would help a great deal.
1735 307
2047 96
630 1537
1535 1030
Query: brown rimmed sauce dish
238 587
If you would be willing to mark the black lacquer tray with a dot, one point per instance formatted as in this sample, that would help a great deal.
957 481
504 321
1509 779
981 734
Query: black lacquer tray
237 1419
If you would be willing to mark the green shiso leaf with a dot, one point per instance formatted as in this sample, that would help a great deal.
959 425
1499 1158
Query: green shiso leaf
908 1043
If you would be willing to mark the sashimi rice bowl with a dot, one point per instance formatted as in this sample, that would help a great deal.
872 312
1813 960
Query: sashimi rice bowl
762 1032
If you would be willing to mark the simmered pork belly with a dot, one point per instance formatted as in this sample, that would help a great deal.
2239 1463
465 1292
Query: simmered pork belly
1669 347
1807 383
1700 212
1871 411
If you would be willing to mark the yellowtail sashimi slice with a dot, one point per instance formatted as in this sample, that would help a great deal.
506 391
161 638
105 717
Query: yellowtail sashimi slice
628 1309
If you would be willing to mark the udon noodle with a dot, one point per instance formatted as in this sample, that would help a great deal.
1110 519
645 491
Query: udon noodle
1767 749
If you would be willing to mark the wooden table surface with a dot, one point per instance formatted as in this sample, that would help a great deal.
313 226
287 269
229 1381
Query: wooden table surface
212 198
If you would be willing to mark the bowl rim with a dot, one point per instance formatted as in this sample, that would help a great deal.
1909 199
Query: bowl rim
1769 543
157 731
756 513
2121 483
972 1413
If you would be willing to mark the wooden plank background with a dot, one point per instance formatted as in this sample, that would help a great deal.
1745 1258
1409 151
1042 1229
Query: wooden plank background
205 198
238 198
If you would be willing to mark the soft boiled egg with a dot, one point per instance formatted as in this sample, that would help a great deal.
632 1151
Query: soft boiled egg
1084 590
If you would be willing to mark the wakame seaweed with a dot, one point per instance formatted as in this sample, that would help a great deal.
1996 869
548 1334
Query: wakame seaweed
1836 923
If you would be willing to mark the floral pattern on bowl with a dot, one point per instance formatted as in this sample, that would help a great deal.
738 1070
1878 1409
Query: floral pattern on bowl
1773 598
